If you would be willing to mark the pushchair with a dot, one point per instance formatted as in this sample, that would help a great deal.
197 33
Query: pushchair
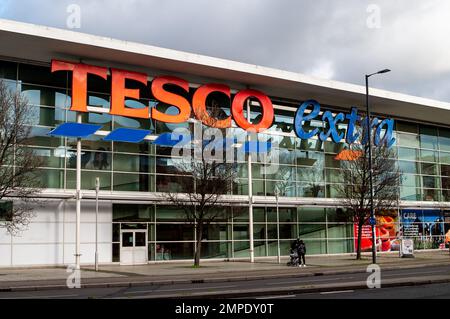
294 259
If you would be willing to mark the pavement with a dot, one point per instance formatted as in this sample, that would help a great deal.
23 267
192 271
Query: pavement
176 273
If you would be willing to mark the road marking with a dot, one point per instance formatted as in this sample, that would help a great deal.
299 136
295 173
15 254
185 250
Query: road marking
277 297
307 281
336 292
178 289
416 273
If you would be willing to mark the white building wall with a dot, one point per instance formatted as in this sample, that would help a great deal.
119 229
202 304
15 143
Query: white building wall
50 237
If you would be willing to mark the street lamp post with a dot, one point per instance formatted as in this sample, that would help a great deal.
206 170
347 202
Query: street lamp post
278 226
369 132
277 198
97 189
78 201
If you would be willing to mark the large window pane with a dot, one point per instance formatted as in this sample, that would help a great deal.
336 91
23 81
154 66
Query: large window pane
133 213
143 147
410 180
49 178
90 160
312 159
286 215
91 143
444 158
340 231
311 214
428 137
45 116
310 174
259 231
314 190
42 75
135 123
287 231
430 182
445 182
170 214
334 176
217 232
312 231
39 95
408 167
169 251
331 147
174 232
408 154
340 246
240 187
216 250
406 127
408 140
331 162
176 166
428 156
133 182
39 137
49 157
8 70
444 139
431 195
103 119
88 179
410 193
241 249
429 169
315 247
133 163
167 183
240 232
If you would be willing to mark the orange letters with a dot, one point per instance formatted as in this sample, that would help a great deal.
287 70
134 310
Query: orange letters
171 98
119 93
79 80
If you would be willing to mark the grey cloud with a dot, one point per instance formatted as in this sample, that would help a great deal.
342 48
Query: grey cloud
324 38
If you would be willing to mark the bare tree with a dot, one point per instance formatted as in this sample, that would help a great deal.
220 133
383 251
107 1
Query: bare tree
17 162
355 191
200 195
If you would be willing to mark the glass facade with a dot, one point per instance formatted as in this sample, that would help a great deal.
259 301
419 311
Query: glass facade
307 166
171 237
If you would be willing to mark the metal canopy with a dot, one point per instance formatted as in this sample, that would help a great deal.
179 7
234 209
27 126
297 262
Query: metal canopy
127 135
76 130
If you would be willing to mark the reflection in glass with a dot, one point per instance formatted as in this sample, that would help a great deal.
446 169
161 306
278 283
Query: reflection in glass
127 239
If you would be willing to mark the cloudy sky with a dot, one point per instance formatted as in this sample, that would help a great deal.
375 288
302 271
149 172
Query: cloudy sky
335 39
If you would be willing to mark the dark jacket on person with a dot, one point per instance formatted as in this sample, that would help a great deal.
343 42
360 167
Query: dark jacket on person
301 248
295 244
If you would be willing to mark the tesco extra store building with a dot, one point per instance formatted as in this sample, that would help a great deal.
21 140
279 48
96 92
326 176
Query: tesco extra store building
132 174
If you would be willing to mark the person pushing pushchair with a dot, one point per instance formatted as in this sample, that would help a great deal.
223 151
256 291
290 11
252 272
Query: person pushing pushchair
301 251
294 261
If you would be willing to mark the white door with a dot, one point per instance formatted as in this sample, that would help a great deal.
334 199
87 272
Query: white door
133 247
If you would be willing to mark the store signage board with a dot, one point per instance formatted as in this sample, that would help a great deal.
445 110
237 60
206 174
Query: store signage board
307 111
407 248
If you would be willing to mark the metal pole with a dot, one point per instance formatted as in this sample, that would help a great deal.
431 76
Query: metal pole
78 200
250 194
278 228
97 188
369 133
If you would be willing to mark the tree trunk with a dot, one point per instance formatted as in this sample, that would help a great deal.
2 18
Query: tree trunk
358 251
198 244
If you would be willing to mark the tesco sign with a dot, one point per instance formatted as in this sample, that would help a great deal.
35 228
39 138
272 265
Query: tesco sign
119 92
